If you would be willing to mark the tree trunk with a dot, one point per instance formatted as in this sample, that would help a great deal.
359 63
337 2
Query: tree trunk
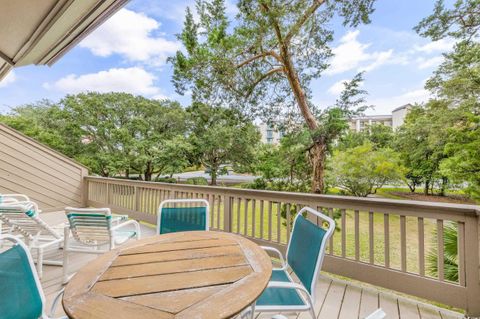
317 159
127 173
148 172
213 175
319 148
427 187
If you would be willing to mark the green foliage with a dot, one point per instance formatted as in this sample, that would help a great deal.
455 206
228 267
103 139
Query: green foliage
169 180
221 136
461 22
379 135
421 142
360 171
450 253
262 61
197 181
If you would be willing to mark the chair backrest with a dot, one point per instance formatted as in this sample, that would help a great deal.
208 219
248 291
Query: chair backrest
90 226
23 217
177 215
21 296
13 198
306 247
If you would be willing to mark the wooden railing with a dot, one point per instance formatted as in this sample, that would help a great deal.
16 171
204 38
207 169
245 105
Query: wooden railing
395 244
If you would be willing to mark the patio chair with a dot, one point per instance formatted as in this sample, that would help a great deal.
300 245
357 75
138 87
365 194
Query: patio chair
22 296
184 215
305 252
23 219
94 232
9 198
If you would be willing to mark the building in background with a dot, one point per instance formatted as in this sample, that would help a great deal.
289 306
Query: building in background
269 134
393 120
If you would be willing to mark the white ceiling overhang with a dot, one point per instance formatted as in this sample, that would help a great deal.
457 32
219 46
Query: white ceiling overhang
42 31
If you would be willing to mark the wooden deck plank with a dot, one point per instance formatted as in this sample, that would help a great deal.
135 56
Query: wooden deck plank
389 304
333 301
368 303
320 294
351 303
408 309
428 313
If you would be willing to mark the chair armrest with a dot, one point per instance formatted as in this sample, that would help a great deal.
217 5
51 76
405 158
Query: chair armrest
16 197
55 302
279 254
127 223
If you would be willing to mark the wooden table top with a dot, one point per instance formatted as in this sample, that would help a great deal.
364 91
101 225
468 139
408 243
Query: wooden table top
179 275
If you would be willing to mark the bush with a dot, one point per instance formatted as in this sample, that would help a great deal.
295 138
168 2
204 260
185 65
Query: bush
197 181
170 180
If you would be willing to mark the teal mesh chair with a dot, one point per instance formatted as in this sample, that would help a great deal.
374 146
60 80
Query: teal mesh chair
177 215
21 296
305 252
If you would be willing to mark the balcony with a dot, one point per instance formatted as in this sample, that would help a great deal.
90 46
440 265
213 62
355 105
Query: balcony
379 256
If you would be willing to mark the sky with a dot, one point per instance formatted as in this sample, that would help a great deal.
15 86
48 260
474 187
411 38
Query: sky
128 53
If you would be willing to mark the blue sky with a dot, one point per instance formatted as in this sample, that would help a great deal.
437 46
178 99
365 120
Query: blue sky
128 54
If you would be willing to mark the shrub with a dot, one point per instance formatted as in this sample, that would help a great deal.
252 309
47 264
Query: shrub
197 181
170 180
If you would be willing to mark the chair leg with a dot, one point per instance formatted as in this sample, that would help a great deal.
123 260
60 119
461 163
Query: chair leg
65 256
40 262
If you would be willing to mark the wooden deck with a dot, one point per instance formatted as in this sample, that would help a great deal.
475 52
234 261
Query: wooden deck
335 298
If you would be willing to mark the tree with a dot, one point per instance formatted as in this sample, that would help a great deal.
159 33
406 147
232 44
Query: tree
221 136
360 171
46 122
379 135
460 22
274 51
122 132
457 83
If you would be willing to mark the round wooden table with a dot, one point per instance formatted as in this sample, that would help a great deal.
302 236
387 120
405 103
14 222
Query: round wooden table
180 275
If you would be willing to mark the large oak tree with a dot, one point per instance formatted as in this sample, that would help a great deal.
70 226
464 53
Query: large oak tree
264 62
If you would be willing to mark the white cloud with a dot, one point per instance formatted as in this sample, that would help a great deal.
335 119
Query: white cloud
337 87
387 104
441 45
9 79
426 63
130 34
351 54
133 80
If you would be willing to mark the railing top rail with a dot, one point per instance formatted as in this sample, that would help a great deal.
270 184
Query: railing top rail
335 200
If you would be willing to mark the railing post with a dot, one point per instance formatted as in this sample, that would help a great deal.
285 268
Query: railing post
109 193
137 198
84 199
472 265
227 213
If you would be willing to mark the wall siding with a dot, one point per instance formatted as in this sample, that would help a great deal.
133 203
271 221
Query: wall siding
46 176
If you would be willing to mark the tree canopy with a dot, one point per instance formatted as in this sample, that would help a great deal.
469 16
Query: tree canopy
265 62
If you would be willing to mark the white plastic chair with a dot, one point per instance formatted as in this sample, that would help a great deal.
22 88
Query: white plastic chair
22 219
8 198
18 277
305 252
93 231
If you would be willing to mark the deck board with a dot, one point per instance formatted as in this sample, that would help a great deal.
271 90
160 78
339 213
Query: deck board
335 298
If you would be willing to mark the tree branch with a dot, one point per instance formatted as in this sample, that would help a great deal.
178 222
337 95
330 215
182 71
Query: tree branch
298 25
263 77
258 56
